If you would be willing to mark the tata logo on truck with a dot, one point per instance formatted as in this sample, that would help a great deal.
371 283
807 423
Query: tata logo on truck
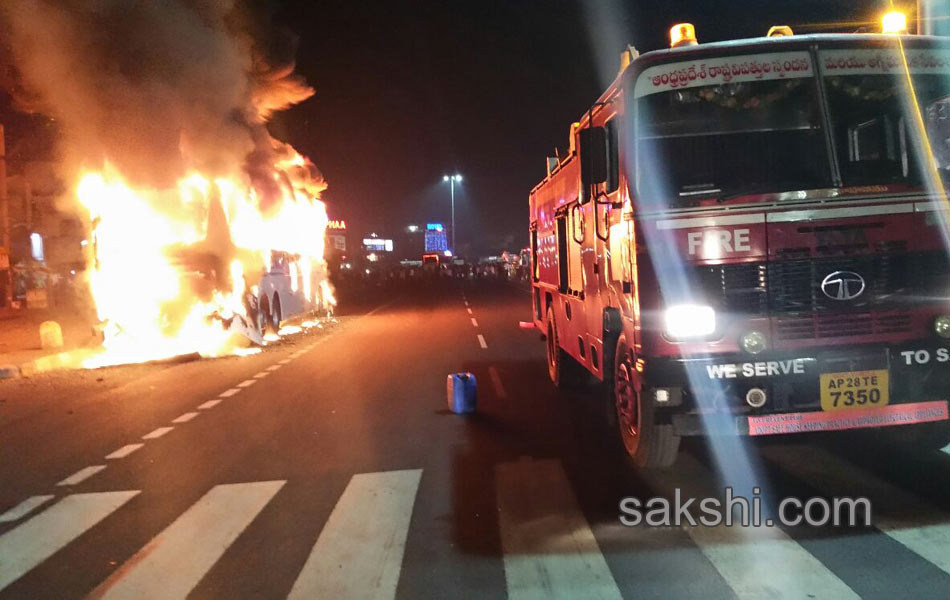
715 243
843 285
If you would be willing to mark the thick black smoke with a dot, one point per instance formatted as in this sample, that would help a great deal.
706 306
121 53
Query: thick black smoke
156 88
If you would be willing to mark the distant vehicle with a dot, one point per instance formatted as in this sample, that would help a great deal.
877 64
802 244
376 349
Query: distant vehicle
431 264
743 237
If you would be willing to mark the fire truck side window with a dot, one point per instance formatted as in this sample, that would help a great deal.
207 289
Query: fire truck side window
613 156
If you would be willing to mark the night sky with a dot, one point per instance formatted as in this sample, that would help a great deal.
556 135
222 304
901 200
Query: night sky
409 91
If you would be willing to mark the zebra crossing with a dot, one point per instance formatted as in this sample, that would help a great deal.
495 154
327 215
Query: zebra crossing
548 548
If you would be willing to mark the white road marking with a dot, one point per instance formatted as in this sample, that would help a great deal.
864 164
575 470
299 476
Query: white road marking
173 563
922 528
285 361
549 548
474 322
272 368
481 341
185 417
124 451
154 435
469 311
247 383
496 382
29 544
945 449
24 508
262 375
82 475
359 552
209 404
229 393
746 557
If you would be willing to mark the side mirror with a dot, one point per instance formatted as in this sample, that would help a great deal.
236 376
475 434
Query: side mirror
593 156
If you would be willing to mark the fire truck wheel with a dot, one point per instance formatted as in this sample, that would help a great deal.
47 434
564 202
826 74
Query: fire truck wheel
648 444
562 368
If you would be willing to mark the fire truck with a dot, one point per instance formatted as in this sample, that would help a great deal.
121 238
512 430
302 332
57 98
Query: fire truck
751 238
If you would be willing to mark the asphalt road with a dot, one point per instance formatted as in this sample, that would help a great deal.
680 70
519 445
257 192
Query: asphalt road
329 467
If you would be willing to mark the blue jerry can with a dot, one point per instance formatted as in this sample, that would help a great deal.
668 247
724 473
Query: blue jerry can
462 392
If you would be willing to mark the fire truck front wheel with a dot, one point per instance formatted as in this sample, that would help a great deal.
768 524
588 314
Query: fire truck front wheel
563 370
647 444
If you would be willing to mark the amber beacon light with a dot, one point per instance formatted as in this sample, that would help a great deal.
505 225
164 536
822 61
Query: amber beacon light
682 34
894 22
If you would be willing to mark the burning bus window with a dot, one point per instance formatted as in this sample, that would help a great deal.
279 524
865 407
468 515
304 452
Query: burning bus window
719 139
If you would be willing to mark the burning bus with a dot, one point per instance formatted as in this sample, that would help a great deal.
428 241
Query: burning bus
751 238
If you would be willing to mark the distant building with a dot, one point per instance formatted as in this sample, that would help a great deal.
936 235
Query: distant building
435 240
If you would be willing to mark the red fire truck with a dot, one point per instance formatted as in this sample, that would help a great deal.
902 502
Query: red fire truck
751 238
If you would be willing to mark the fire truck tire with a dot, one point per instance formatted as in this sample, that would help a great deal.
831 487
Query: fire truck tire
646 443
563 370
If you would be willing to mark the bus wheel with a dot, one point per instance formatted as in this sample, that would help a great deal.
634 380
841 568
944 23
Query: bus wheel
275 315
647 444
263 315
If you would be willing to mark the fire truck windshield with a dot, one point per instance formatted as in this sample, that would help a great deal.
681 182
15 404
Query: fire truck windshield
873 122
719 140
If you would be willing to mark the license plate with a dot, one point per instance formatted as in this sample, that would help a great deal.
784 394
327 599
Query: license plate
854 389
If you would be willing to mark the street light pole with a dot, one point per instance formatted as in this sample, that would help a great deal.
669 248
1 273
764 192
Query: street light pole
452 179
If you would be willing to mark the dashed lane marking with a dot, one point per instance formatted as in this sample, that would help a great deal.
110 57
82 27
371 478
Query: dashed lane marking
24 508
481 341
560 559
496 382
157 433
474 322
123 451
469 311
359 552
229 393
272 368
34 541
262 375
202 533
81 475
247 383
209 404
284 361
185 417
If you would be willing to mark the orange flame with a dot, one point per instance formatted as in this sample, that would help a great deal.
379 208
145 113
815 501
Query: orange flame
175 271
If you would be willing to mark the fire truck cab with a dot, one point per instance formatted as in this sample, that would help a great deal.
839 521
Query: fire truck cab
751 238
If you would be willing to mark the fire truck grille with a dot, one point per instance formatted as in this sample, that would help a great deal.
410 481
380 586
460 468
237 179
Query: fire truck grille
837 325
790 291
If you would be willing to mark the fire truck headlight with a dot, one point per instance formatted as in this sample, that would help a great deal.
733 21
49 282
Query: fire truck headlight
689 321
942 326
